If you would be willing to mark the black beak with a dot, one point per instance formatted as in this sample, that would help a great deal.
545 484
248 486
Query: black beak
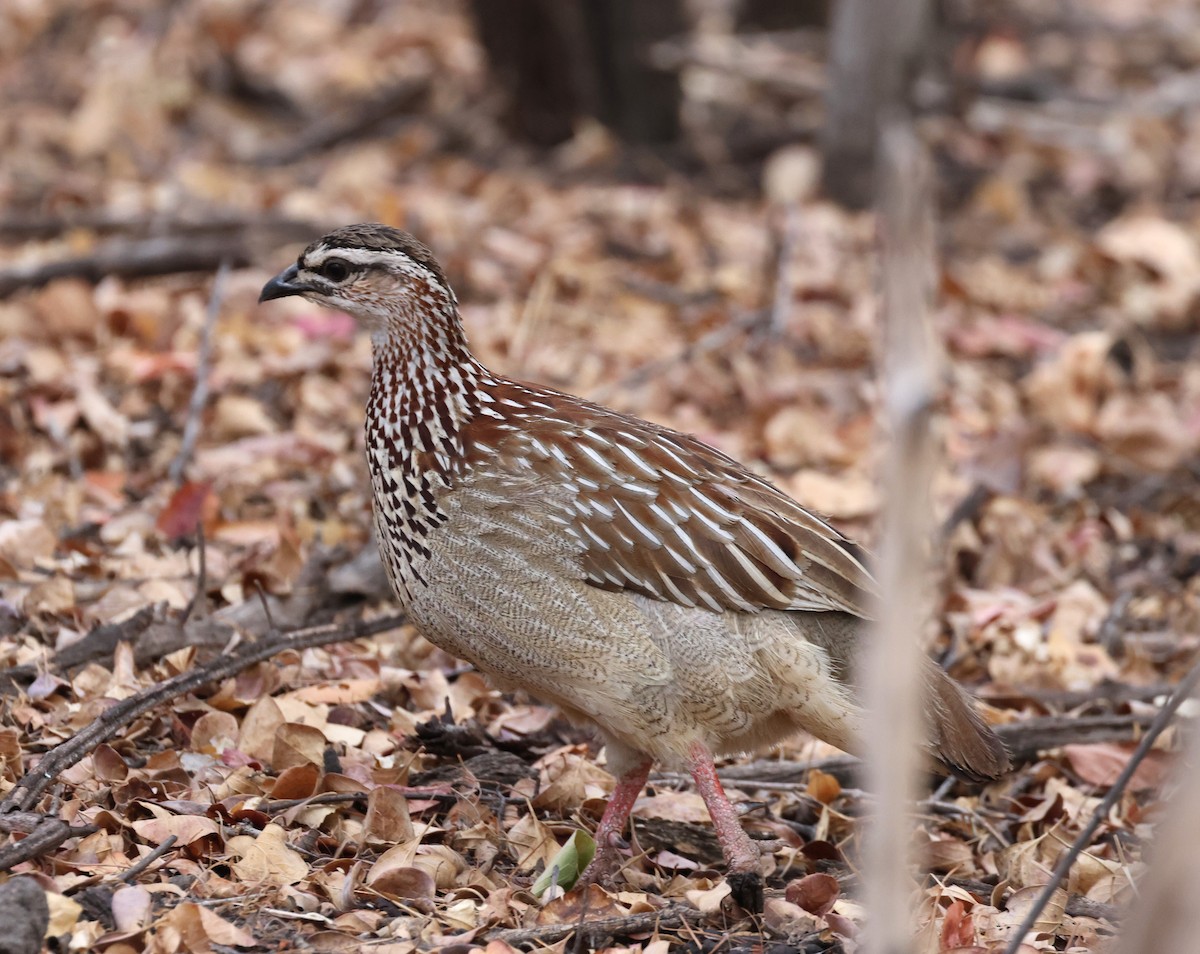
282 285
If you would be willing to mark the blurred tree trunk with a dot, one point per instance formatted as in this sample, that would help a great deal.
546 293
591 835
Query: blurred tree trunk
557 60
874 52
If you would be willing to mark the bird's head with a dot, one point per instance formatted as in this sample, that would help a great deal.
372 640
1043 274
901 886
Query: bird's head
382 276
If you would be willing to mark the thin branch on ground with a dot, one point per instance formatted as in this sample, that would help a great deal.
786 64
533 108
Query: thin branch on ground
603 927
350 122
157 255
157 631
143 863
27 228
30 788
1162 719
198 608
1024 740
195 413
48 835
712 341
131 259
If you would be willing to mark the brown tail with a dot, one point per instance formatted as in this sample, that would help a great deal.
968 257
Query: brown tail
960 739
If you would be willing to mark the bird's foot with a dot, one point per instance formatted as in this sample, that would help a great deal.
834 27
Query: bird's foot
605 864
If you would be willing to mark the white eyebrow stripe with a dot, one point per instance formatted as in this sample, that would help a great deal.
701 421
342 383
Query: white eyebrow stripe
362 257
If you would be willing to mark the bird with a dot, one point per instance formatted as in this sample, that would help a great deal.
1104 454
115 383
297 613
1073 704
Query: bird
644 582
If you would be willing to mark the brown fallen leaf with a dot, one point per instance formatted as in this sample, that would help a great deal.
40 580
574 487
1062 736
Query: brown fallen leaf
387 820
199 931
267 858
187 829
131 906
589 901
815 893
296 781
958 929
822 786
1100 763
297 744
190 505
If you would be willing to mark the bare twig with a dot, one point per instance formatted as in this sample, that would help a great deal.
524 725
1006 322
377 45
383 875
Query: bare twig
1107 693
600 928
1077 905
107 635
1024 740
156 631
326 798
266 606
47 836
712 341
191 249
23 227
191 429
129 259
1068 858
27 791
892 672
349 122
198 607
143 863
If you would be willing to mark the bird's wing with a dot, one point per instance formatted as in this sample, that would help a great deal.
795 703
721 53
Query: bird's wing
661 513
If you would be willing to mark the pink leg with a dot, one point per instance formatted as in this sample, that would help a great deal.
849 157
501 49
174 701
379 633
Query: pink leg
612 823
741 854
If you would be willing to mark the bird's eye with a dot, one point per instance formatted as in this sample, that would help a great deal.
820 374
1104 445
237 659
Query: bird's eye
335 270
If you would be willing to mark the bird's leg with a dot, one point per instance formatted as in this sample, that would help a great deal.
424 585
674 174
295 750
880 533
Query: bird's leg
741 854
608 835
